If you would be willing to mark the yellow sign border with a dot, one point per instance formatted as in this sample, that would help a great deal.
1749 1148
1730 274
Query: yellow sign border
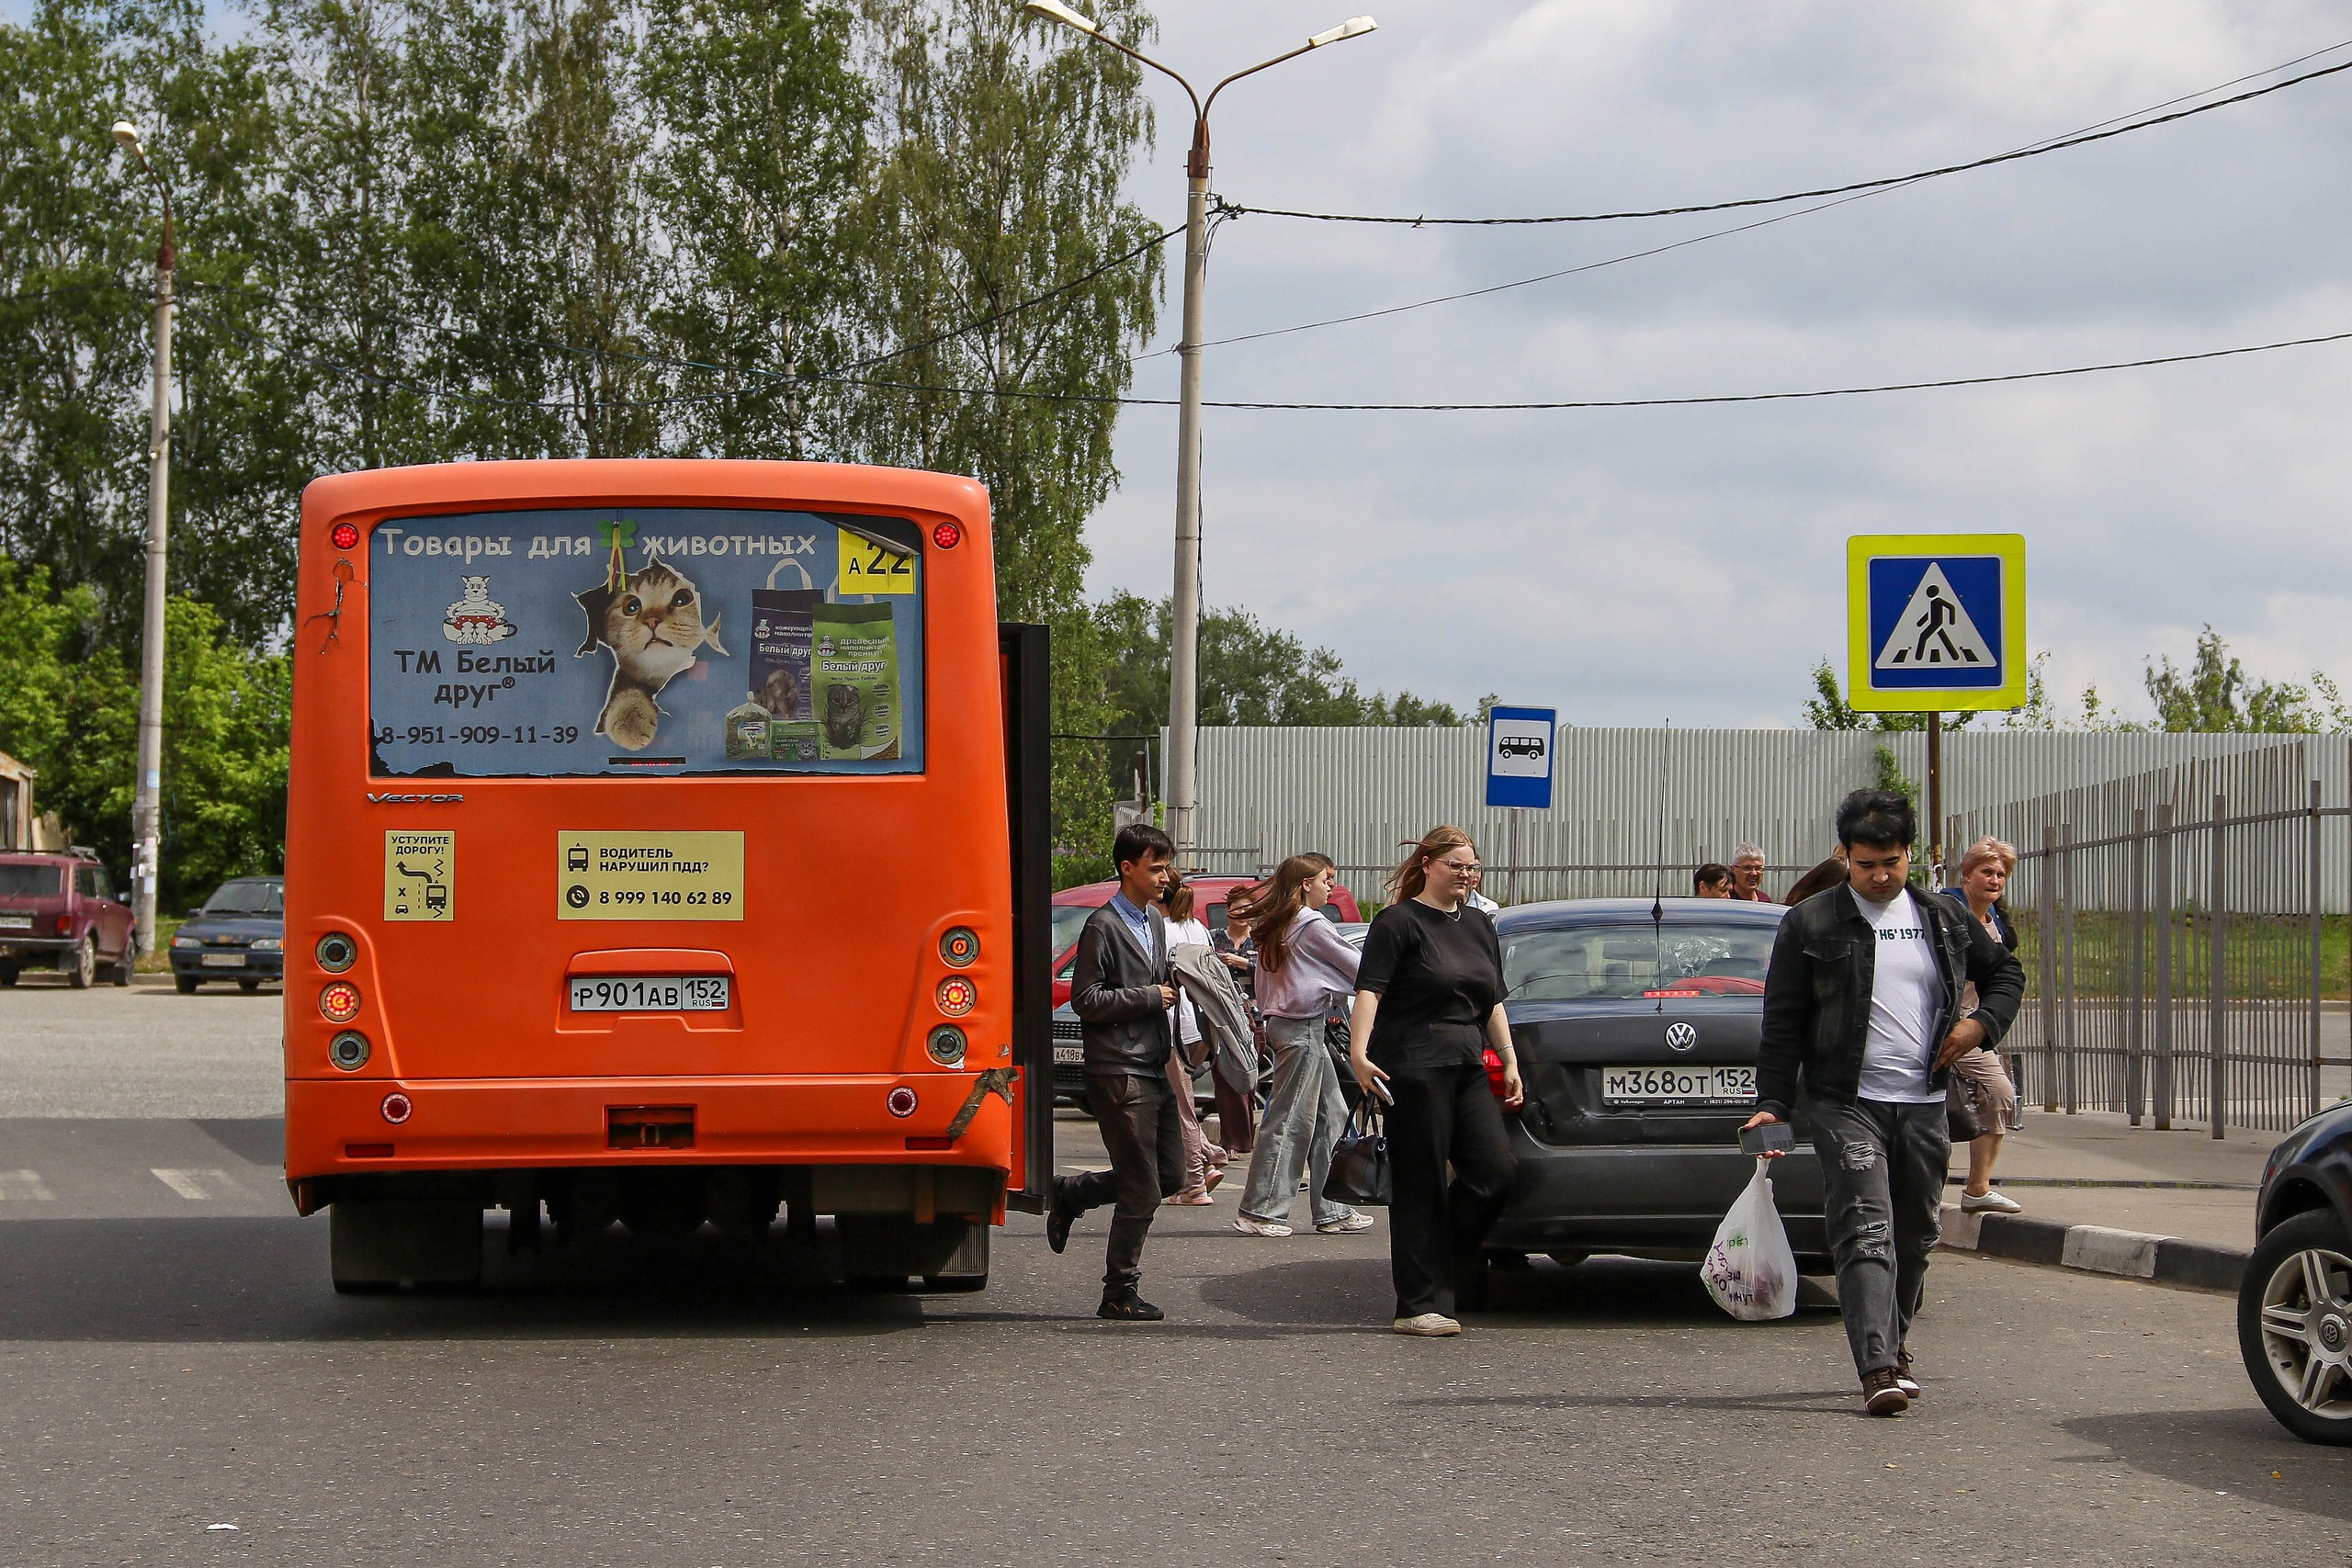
1863 549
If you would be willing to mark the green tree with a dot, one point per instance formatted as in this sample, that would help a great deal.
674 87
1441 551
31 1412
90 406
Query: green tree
2216 693
1828 709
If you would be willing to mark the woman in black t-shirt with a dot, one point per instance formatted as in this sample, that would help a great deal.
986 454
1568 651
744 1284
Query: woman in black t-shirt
1429 1004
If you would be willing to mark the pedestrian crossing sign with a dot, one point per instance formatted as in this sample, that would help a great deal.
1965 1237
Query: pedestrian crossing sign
1935 620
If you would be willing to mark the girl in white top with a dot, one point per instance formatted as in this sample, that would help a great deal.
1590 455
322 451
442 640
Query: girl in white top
1303 961
1204 1161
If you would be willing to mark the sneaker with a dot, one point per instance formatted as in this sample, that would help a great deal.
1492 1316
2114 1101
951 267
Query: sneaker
1882 1395
1197 1196
1428 1325
1989 1203
1348 1226
1249 1226
1126 1306
1902 1378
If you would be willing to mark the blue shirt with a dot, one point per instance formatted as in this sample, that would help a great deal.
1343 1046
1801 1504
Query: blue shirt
1135 920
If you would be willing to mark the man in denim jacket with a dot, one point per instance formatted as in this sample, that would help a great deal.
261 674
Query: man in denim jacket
1863 1001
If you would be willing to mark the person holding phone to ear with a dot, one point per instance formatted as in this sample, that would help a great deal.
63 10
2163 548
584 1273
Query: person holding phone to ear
1429 1002
1862 999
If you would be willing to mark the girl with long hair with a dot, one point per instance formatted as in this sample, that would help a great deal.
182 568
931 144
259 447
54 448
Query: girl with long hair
1303 961
1429 1002
1204 1161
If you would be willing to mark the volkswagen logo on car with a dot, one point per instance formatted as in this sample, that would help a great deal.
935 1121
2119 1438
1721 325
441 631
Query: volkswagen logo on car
1681 1036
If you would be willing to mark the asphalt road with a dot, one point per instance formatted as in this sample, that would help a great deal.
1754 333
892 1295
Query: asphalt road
172 1359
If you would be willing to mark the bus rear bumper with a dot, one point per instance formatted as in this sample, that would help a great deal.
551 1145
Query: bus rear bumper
358 1126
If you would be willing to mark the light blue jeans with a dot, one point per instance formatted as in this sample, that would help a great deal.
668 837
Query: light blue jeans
1303 1122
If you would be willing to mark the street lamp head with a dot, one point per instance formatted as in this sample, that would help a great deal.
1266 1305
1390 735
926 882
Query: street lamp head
128 134
1054 11
1354 27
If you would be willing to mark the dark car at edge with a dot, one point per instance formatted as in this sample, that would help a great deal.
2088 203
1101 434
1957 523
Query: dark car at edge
2295 1298
239 935
1638 1041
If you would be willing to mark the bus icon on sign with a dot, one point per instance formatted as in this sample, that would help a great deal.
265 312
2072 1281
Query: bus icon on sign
1530 746
576 858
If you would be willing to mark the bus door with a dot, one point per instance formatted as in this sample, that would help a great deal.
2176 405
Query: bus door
1028 771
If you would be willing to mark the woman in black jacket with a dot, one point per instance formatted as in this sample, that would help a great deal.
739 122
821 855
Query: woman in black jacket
1429 1003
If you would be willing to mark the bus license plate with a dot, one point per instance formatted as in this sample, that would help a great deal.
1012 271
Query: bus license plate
639 993
1678 1086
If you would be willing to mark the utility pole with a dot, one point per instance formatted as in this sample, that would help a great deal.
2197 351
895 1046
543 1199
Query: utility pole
1184 599
147 797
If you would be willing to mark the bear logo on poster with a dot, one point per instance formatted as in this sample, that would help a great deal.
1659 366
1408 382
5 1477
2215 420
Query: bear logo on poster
651 620
476 619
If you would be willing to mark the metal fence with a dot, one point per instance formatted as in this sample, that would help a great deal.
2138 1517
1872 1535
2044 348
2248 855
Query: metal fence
2177 942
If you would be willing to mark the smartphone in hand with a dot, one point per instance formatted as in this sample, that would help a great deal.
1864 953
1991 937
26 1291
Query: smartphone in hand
1380 1091
1771 1138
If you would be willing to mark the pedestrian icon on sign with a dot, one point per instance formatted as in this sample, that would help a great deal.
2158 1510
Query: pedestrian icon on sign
1935 630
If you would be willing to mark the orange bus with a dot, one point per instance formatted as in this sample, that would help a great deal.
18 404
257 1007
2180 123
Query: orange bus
666 844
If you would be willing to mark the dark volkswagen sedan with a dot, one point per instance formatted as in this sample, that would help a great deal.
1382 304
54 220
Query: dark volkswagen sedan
1638 1041
2295 1299
239 935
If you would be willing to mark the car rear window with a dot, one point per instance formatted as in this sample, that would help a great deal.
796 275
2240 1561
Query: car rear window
31 881
1619 959
1068 920
247 899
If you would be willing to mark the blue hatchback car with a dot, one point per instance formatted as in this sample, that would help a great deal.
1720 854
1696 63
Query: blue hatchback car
239 935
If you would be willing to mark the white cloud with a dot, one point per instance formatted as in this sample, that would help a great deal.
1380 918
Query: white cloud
1634 564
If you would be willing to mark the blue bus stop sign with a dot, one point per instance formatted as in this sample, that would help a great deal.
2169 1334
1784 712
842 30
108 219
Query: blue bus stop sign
1518 756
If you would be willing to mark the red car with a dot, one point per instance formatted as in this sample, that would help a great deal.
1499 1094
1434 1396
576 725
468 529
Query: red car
1072 904
61 910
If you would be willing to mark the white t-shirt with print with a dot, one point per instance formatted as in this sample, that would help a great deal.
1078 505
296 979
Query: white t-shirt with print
1904 991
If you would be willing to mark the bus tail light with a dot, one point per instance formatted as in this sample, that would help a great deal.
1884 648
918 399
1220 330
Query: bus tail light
367 1151
398 1108
340 1002
946 1046
947 536
349 1050
345 535
337 952
957 995
901 1101
959 947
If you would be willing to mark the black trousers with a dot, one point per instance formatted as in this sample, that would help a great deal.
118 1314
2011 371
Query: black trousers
1146 1140
1443 1116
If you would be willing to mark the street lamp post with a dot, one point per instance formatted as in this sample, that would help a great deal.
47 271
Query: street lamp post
1184 602
147 804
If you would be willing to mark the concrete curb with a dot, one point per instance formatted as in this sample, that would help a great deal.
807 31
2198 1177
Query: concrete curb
2198 1266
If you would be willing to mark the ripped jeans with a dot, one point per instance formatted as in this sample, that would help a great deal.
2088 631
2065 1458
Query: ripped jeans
1882 1170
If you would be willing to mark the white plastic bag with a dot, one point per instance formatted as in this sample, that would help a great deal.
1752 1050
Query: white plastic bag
1750 1271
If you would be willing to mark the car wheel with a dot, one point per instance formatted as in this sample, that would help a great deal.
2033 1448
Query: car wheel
81 965
186 983
249 986
7 976
2295 1326
121 973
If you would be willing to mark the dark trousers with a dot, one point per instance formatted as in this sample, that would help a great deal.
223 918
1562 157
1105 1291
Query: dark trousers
1443 1116
1883 1171
1146 1140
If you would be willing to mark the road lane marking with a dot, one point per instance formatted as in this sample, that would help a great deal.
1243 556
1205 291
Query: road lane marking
24 1187
198 1184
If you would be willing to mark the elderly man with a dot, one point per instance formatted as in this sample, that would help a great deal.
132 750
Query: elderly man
1747 874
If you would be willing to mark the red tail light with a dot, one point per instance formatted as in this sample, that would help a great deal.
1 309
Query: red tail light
64 925
1494 1065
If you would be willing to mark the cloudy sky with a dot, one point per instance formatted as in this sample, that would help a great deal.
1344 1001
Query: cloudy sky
1637 565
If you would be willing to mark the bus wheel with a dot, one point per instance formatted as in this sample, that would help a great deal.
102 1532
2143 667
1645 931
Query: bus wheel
950 1283
385 1243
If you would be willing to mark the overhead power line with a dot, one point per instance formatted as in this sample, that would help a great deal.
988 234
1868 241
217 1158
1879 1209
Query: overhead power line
1424 221
1644 402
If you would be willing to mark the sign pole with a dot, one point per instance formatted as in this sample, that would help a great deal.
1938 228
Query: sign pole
1936 796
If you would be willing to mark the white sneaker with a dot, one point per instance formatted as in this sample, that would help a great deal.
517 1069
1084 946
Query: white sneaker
1348 1226
1428 1325
1249 1226
1990 1203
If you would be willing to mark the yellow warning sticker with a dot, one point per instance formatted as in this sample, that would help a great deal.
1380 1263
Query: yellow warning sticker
648 876
420 875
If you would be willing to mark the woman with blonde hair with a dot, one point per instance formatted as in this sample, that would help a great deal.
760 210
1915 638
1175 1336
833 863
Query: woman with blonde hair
1983 877
1429 1002
1303 961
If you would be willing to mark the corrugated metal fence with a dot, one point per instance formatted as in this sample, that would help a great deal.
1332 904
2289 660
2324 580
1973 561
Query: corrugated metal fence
1356 794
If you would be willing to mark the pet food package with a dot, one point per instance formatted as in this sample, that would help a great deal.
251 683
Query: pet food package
747 730
794 740
780 638
854 664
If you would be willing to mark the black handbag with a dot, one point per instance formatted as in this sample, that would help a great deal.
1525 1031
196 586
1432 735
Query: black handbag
1360 1174
1963 1118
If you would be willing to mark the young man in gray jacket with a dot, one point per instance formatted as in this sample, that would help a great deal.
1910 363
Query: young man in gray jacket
1121 988
1862 1000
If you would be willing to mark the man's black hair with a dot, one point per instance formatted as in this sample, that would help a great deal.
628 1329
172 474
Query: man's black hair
1879 818
1141 841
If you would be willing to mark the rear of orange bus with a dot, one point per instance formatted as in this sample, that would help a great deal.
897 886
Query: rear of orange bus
665 847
